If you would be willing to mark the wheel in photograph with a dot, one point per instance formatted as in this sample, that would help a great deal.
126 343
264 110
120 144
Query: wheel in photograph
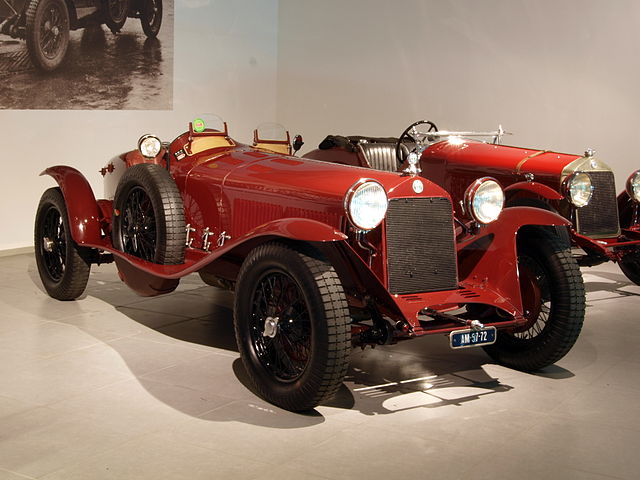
114 14
47 33
148 215
553 298
151 17
292 326
62 264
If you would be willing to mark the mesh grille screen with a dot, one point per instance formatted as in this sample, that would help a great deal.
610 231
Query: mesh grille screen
600 217
421 253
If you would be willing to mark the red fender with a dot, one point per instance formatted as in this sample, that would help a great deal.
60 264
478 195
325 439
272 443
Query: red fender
299 229
82 208
489 259
536 188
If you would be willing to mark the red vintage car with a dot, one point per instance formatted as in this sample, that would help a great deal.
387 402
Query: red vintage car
321 256
603 226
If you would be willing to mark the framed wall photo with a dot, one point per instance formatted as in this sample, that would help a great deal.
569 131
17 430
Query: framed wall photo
86 54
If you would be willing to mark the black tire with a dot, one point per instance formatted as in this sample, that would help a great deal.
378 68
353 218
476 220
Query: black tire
292 326
148 215
151 17
554 301
47 33
62 265
630 266
114 14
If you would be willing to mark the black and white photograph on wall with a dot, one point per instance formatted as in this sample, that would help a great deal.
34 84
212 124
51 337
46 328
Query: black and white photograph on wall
86 54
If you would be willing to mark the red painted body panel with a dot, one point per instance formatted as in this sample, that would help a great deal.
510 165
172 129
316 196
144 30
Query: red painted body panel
454 166
241 196
82 208
535 188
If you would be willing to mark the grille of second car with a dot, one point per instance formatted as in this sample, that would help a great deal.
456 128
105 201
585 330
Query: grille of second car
421 254
599 219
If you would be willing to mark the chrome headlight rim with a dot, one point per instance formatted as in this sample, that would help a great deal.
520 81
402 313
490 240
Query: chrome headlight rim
357 189
574 195
148 144
633 186
477 191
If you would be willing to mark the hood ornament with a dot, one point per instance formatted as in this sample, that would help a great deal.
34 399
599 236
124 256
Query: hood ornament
413 169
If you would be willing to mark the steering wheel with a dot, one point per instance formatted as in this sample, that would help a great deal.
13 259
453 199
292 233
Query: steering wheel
408 134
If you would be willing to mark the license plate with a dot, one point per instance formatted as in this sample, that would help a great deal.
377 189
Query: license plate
472 338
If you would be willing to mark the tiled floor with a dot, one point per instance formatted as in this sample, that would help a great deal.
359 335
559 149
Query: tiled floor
122 387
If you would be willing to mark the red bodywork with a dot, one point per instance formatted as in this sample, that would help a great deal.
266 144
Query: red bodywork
238 197
523 174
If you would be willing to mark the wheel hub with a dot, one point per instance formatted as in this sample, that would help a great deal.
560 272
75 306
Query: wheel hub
270 327
47 244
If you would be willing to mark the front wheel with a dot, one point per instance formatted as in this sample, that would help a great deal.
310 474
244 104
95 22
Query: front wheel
62 264
292 326
553 298
47 32
630 266
151 17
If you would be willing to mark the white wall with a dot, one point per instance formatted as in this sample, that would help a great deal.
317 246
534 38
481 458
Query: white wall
561 74
225 57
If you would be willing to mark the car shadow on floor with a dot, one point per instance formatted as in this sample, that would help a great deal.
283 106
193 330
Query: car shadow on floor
423 373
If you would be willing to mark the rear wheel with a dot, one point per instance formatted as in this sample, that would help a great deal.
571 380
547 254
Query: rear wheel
151 17
47 32
292 326
148 219
62 264
554 302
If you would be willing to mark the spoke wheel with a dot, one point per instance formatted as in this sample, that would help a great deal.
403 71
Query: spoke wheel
280 326
630 266
62 265
47 32
151 17
553 299
115 14
148 218
292 326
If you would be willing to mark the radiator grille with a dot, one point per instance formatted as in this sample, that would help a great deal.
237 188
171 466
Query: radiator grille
599 219
421 254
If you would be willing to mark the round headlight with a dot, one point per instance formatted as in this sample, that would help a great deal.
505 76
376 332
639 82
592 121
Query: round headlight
149 146
577 189
484 200
633 186
366 204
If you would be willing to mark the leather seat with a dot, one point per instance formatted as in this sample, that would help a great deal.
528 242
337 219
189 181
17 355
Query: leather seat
382 156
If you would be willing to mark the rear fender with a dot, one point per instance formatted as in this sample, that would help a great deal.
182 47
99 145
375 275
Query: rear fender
536 188
82 207
490 258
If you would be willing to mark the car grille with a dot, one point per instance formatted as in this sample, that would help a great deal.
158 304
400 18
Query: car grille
599 219
421 254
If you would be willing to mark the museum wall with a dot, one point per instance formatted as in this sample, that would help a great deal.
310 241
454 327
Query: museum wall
560 75
224 61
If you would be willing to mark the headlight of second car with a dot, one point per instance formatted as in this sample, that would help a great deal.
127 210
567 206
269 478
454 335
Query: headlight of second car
149 146
484 200
366 204
577 189
633 186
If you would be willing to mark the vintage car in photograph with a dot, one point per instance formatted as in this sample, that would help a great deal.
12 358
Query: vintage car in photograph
45 24
321 257
604 226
